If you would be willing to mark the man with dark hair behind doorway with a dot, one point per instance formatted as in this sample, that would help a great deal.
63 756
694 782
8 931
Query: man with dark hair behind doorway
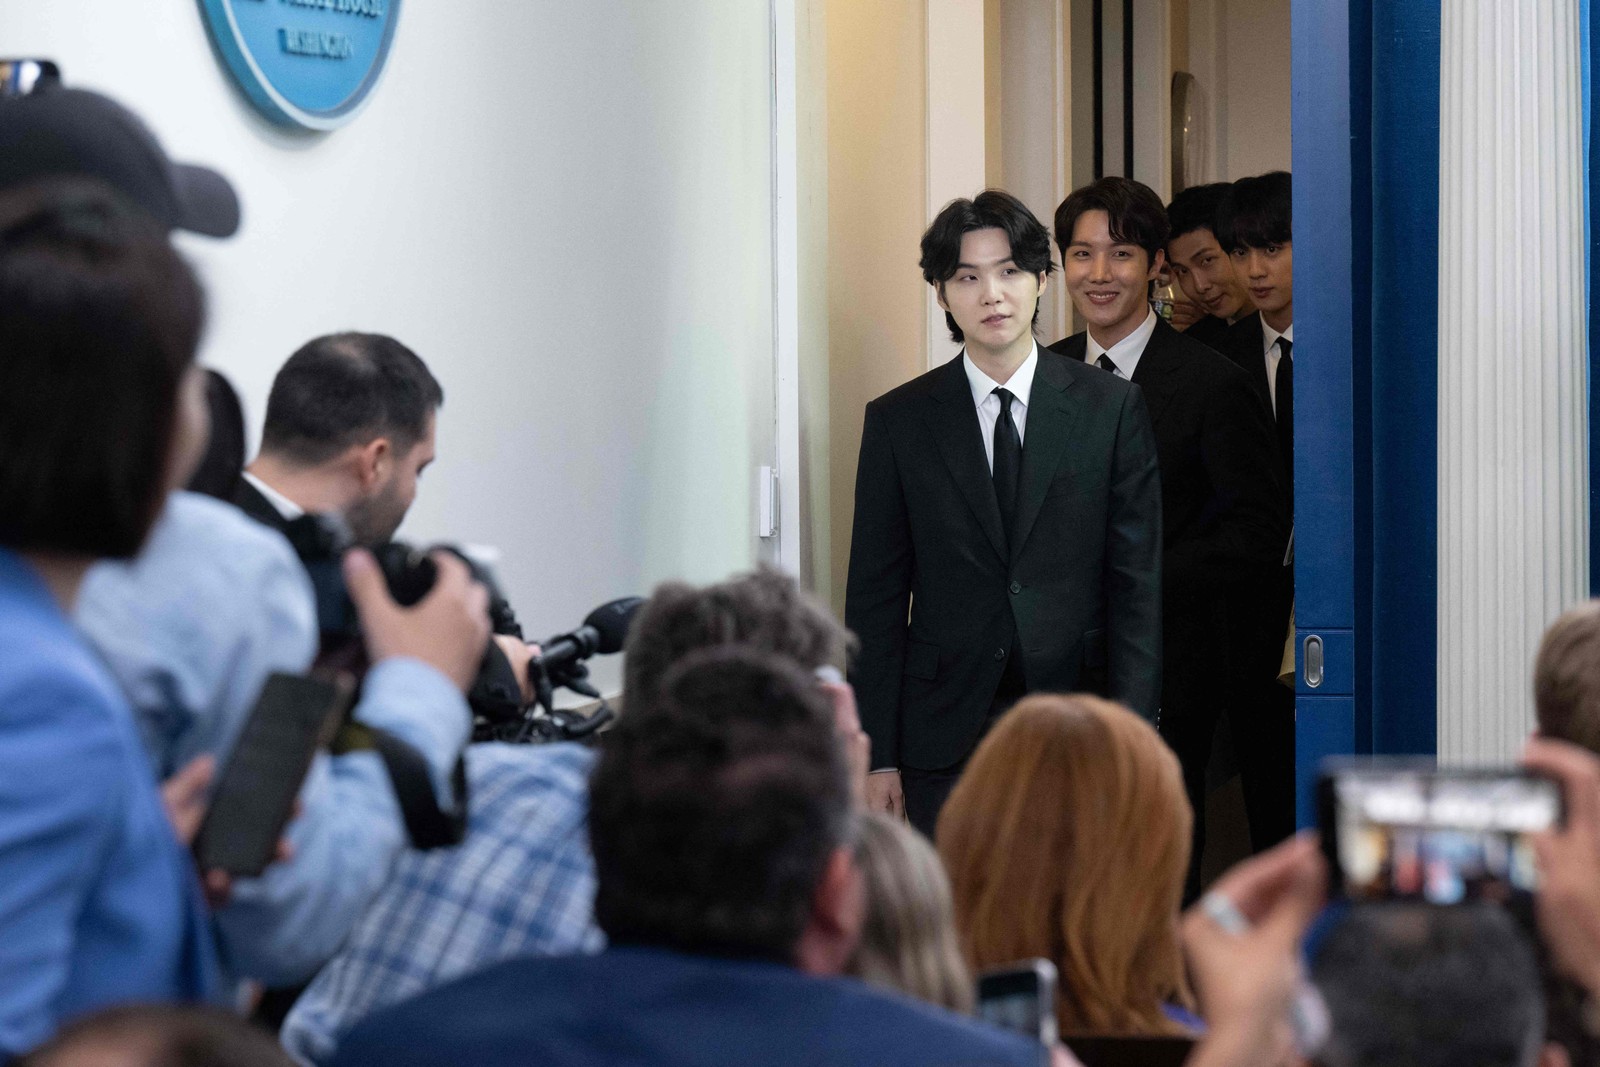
1223 514
1007 530
1202 267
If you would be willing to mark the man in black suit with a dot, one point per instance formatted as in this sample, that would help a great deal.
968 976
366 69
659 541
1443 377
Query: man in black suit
1224 520
1007 522
1254 222
1202 267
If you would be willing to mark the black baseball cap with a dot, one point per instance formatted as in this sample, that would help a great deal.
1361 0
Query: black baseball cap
57 131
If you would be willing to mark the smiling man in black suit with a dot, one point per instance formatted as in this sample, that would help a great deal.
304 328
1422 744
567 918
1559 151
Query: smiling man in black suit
1007 529
1225 520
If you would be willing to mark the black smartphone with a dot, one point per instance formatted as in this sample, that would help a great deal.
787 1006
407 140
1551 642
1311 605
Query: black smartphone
1403 830
1021 998
254 796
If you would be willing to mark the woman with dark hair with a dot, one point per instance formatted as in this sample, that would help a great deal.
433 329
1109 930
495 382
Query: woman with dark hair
102 412
1067 838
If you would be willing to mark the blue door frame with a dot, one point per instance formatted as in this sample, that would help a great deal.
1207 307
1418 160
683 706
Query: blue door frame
1366 195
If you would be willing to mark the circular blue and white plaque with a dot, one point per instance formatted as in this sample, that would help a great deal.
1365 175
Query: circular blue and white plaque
305 63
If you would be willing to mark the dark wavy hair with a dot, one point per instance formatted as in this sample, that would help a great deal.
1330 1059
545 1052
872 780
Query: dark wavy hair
1257 212
1132 209
713 811
1195 209
990 209
99 322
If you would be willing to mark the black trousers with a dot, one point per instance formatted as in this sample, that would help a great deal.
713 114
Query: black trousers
926 791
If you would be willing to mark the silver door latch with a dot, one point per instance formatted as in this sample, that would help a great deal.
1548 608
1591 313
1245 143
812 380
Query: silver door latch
1313 661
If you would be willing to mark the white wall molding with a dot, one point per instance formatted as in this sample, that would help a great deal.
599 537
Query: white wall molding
1513 478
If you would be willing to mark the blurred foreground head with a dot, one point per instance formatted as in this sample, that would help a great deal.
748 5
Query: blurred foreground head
1067 838
163 1035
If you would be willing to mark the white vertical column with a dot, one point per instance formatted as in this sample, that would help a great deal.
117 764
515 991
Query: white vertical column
1513 477
956 160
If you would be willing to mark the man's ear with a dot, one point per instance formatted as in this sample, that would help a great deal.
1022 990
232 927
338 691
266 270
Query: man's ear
838 910
1044 283
938 294
1157 263
373 460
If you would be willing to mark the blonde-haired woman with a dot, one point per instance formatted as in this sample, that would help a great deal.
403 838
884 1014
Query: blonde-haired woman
908 941
1067 837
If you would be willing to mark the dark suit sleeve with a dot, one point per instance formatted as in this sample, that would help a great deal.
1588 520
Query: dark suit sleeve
1248 530
1133 564
878 593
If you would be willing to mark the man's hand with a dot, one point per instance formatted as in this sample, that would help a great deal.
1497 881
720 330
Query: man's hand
519 654
448 629
186 796
857 745
1247 978
1185 313
1568 901
884 793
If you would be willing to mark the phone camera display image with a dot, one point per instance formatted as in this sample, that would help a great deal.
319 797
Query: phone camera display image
1442 837
1021 999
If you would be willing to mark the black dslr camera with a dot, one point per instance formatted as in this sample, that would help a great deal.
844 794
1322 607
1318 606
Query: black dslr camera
496 694
321 542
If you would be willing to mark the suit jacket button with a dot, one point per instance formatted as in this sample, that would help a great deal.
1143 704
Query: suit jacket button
1016 587
999 653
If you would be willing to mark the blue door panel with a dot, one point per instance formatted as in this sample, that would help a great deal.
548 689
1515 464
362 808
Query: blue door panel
1323 725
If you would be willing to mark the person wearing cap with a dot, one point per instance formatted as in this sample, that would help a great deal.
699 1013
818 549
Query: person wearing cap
55 132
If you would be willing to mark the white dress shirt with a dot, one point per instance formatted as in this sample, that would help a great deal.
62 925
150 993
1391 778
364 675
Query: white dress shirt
286 507
983 387
1273 353
1125 354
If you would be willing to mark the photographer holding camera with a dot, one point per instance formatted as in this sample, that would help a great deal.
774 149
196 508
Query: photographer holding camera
214 603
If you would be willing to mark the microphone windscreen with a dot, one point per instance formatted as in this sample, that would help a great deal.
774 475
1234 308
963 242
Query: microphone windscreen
611 622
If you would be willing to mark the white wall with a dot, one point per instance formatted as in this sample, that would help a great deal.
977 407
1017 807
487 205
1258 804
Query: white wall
1239 52
564 208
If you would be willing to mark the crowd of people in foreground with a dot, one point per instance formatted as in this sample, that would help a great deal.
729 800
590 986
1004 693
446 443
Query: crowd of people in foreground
701 886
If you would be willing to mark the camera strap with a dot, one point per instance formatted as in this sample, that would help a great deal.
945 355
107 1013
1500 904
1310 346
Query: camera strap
428 825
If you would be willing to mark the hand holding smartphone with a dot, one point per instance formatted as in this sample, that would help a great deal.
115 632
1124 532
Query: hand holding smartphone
255 793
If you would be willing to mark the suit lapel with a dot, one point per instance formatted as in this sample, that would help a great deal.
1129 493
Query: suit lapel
1160 370
1052 413
954 421
1251 355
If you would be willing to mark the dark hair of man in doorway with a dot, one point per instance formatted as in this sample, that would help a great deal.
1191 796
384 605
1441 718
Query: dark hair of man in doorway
990 209
1257 213
1195 209
1133 212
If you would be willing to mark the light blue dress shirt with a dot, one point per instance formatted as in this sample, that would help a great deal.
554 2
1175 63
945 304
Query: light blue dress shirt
99 903
191 629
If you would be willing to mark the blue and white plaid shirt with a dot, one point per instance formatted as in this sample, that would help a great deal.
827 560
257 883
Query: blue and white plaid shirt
520 884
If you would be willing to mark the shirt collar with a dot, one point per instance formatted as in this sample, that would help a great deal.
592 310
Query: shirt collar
1126 352
1020 385
1269 336
286 507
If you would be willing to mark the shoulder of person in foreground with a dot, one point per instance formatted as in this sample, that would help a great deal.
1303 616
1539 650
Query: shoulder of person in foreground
571 1011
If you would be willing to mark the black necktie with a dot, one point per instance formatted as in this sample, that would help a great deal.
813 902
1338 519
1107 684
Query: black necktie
1104 363
1283 383
1007 459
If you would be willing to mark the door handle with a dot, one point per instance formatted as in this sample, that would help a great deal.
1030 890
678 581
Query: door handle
1312 658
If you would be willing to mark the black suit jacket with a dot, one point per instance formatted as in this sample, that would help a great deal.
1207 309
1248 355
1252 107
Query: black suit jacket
1224 516
938 597
1209 331
250 501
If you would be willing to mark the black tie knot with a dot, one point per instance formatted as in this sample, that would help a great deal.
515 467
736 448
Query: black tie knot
1006 397
1104 363
1284 347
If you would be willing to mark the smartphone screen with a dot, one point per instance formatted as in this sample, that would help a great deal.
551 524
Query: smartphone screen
254 796
1418 833
1021 998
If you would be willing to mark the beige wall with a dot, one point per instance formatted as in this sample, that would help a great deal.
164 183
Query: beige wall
876 192
811 122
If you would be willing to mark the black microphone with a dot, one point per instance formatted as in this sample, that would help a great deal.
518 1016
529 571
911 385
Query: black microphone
603 633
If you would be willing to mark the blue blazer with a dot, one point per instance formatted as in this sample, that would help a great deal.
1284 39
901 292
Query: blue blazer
99 903
641 1007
